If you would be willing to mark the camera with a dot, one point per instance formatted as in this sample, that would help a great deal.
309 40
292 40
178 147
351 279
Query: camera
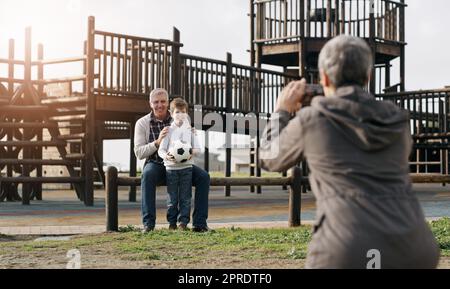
312 90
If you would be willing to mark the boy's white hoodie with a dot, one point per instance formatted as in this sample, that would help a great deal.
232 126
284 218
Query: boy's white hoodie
176 133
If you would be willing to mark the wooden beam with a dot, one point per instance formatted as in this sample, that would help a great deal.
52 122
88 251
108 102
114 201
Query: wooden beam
219 182
122 104
281 48
43 180
430 178
33 162
388 49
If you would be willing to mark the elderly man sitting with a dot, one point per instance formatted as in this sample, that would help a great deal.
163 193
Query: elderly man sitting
149 133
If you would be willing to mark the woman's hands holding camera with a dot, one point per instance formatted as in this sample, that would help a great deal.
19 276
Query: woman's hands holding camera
292 97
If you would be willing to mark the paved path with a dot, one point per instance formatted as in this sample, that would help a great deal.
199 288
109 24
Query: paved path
62 214
98 229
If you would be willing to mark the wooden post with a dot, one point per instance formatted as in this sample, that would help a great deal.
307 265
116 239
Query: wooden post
387 75
90 116
258 139
38 186
176 64
253 149
27 69
111 202
228 102
11 67
336 18
133 164
9 168
304 173
372 45
134 66
302 43
99 152
85 66
308 18
284 174
252 33
260 33
329 23
257 105
402 53
26 187
302 18
342 29
285 18
295 198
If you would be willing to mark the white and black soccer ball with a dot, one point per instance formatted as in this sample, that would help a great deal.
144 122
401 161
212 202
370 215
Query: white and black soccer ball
181 151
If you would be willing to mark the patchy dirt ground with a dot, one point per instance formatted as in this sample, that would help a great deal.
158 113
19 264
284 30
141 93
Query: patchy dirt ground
23 252
131 251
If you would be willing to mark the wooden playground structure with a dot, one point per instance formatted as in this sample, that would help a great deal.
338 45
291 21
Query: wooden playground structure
119 71
291 33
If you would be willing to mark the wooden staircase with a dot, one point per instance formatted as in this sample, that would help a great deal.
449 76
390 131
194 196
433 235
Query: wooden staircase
23 120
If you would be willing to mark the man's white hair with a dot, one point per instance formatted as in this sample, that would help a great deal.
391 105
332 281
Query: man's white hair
159 91
347 60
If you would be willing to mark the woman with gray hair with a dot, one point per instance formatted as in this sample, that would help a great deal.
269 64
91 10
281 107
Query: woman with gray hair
357 149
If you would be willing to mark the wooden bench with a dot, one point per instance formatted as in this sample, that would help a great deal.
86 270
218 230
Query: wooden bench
295 182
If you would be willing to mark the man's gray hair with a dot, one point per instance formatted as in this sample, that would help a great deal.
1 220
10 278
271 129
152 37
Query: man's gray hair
159 91
346 60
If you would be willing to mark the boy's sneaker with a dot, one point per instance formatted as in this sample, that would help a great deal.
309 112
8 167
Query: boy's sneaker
147 229
183 227
172 226
202 229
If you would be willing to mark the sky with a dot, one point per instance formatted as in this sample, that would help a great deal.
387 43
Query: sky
209 28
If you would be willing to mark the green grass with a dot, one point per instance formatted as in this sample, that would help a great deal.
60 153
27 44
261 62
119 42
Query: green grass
441 231
225 246
249 244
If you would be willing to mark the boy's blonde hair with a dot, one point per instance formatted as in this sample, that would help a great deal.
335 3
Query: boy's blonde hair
179 103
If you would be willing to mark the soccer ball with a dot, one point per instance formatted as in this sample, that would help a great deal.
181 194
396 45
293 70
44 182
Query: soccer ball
181 151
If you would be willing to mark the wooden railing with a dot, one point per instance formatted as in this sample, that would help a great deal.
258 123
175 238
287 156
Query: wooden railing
289 20
133 66
430 122
204 82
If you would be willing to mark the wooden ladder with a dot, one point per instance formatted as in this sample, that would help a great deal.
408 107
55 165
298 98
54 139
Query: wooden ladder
23 119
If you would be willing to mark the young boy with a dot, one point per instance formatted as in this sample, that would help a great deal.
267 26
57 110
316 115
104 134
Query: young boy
178 175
